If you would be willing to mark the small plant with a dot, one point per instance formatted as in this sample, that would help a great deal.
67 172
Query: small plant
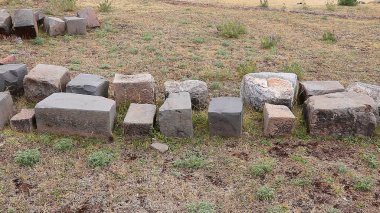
269 42
105 6
261 167
147 36
341 168
264 3
329 37
333 210
201 207
219 64
265 193
215 85
371 160
191 161
348 2
295 68
67 38
277 209
64 145
29 157
245 68
231 29
364 185
38 41
198 40
105 66
100 159
330 5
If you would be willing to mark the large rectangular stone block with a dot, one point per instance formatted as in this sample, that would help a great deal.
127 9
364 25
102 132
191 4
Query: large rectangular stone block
6 108
75 25
311 88
88 84
5 22
12 77
76 114
139 119
175 116
54 26
278 120
25 24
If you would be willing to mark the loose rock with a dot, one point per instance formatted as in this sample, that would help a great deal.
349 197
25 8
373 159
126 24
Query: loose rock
25 24
5 23
24 121
198 91
278 120
160 147
6 108
91 17
75 25
310 88
54 26
88 84
10 59
139 119
11 78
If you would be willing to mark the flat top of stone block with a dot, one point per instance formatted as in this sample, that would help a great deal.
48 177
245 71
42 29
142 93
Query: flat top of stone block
7 67
87 79
226 105
177 101
3 14
140 114
278 111
24 114
23 17
76 102
369 89
47 72
4 94
311 86
285 76
73 18
340 100
54 18
172 86
138 78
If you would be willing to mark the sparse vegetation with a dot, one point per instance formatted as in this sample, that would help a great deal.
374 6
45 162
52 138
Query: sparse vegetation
330 5
147 36
277 209
364 184
201 207
105 6
245 68
329 37
62 5
264 3
371 160
192 160
341 168
348 2
28 157
100 159
64 145
264 193
232 29
261 167
198 40
333 210
295 68
269 42
38 41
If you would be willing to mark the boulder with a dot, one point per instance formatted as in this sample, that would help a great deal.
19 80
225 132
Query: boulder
54 26
11 78
175 116
88 84
91 17
76 114
6 108
139 88
225 117
24 121
198 91
44 80
266 87
75 25
310 88
371 90
25 24
278 120
341 114
139 119
5 23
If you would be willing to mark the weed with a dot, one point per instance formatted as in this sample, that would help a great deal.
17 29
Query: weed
302 181
264 193
67 38
147 36
371 160
264 3
298 158
232 29
226 43
191 161
295 68
245 68
277 209
105 29
100 159
105 66
261 167
269 42
200 207
29 157
348 2
364 185
221 53
215 85
333 210
38 41
198 40
74 67
341 168
329 37
105 6
219 64
64 144
330 5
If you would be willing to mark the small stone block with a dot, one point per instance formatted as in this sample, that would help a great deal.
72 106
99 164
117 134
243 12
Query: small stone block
198 91
88 84
175 116
6 108
44 80
25 24
139 119
278 120
24 121
5 23
54 26
310 88
12 77
76 114
91 17
75 25
139 88
225 117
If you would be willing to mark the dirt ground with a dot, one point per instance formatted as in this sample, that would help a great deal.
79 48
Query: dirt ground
180 41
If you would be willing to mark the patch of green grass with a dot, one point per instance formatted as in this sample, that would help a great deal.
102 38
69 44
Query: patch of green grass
100 159
245 68
264 3
298 158
105 66
28 157
261 167
38 41
226 43
269 42
74 67
330 5
216 85
264 193
371 160
200 122
348 2
46 139
333 210
192 160
105 6
200 207
295 68
277 209
198 40
341 168
329 37
147 36
219 64
64 145
105 29
61 5
67 38
364 184
133 51
302 181
231 29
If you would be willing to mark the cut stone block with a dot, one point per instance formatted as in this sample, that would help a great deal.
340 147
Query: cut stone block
225 117
40 17
88 84
91 17
198 91
75 25
76 114
44 80
139 119
278 120
266 87
310 88
6 108
11 78
175 116
139 88
24 121
54 26
5 22
341 114
25 24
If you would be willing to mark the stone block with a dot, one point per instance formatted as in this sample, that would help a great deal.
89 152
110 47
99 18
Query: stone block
198 91
24 121
175 116
75 25
88 84
341 114
225 117
371 90
44 80
139 88
54 26
12 77
25 24
5 23
310 88
91 17
6 108
139 119
76 114
40 17
10 59
278 120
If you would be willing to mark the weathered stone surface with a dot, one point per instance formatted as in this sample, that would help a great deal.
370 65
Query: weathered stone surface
139 88
139 119
278 120
371 90
160 147
11 78
225 117
24 121
91 17
5 22
6 108
310 88
198 91
266 87
10 59
75 25
24 23
40 17
44 80
175 116
76 114
54 26
88 84
341 114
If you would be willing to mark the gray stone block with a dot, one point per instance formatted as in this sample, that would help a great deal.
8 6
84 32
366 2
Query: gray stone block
24 121
76 114
54 26
225 117
198 91
91 17
175 116
5 22
75 25
44 80
6 108
88 84
311 88
278 120
139 119
12 77
40 17
25 24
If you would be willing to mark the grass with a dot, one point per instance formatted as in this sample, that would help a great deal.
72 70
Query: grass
364 184
64 145
341 168
348 2
329 37
105 6
269 42
200 207
147 36
100 159
246 68
330 5
371 160
29 157
264 3
295 68
333 210
38 41
61 5
198 40
264 193
191 161
232 29
261 167
277 209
